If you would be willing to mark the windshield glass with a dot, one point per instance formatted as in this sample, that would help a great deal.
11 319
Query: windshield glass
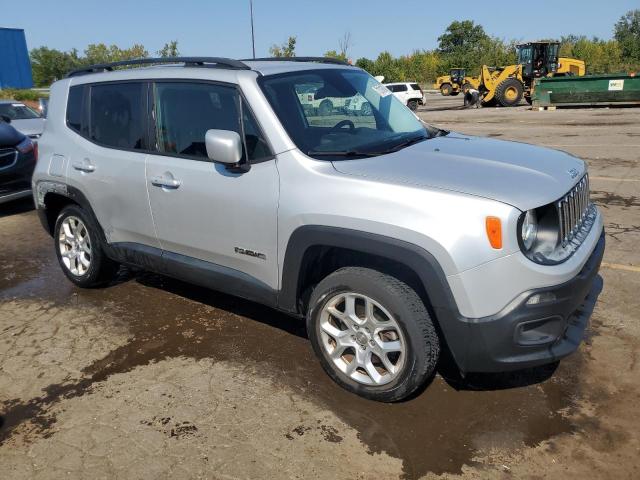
17 111
339 112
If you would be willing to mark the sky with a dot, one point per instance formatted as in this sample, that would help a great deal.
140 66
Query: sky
222 28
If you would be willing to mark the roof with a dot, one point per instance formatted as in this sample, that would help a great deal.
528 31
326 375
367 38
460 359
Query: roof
276 67
263 66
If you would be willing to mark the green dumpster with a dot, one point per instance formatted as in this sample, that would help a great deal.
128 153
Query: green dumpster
615 89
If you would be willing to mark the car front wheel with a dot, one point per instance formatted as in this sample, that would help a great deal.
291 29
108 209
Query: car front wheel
372 334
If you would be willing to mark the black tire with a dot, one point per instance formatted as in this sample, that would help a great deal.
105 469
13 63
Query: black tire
410 314
466 87
366 109
509 92
101 269
412 104
446 89
326 107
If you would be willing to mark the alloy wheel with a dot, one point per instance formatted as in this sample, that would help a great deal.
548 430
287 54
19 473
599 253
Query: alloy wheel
74 244
362 339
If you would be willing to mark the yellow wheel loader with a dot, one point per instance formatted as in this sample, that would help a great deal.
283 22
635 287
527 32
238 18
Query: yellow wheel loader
455 82
506 86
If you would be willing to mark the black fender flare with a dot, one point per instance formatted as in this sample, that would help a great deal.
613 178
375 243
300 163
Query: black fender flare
423 263
417 259
45 187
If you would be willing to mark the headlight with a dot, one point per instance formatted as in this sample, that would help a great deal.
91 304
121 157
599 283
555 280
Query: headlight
529 229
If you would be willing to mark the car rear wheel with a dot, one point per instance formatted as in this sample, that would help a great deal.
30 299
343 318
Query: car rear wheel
412 104
372 334
79 249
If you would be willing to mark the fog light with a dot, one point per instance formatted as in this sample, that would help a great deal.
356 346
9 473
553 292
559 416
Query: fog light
539 298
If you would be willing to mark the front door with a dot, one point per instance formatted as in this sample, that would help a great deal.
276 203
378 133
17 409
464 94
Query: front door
203 210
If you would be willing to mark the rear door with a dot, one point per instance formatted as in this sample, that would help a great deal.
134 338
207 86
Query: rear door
106 157
204 210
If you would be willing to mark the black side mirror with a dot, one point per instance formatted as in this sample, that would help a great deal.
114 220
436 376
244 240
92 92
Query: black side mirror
5 118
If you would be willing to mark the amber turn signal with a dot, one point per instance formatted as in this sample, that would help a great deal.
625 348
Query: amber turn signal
494 232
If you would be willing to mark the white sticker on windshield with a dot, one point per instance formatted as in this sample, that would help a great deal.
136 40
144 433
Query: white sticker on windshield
616 85
381 89
17 104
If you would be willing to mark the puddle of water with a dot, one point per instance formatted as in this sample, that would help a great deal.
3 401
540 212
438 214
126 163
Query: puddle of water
438 431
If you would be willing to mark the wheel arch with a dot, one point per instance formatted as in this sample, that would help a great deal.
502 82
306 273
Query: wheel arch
52 197
314 251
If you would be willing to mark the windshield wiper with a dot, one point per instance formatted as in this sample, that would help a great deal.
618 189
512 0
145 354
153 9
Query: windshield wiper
401 145
341 153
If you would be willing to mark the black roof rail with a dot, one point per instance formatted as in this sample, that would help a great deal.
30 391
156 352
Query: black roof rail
215 62
334 61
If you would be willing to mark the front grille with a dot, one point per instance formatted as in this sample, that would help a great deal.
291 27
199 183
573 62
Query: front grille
8 157
572 209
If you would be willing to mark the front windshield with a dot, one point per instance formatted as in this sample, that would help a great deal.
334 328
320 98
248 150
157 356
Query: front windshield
339 112
17 111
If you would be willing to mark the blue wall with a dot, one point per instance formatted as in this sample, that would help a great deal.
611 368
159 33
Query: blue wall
15 67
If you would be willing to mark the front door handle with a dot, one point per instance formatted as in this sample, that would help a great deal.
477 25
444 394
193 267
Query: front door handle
84 166
164 182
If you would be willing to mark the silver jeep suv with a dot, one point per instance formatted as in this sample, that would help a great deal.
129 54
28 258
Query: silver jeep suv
395 240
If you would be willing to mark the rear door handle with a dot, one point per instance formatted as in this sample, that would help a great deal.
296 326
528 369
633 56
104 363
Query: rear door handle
84 166
164 182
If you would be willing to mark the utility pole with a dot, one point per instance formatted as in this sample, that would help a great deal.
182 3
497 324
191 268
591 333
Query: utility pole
253 38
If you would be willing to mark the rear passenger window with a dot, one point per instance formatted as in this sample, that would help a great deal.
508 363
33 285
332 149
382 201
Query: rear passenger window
74 108
185 111
392 88
400 88
116 118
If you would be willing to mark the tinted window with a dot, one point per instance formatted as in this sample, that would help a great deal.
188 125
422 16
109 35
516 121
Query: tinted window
117 115
17 111
74 108
415 86
401 88
185 111
257 147
392 88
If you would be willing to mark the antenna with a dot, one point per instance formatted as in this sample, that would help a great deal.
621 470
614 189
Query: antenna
253 38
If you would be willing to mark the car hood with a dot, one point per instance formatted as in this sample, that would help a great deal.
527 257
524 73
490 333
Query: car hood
31 126
522 175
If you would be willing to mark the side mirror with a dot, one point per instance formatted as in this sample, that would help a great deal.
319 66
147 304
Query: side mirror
223 146
6 118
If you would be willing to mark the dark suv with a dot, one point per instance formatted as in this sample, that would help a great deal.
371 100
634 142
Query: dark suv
18 155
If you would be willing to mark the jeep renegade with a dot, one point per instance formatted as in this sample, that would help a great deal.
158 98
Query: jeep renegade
395 240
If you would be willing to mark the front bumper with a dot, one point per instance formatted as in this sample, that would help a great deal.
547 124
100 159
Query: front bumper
525 335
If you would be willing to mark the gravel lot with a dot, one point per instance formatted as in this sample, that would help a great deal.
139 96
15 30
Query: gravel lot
154 378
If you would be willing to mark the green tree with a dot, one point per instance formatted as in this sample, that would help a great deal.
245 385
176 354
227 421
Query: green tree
287 49
627 33
334 54
461 44
49 65
366 64
170 49
101 53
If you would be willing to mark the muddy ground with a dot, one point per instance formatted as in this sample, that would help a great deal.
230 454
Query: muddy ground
154 378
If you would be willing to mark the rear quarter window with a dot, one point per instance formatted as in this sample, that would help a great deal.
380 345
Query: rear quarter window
415 86
74 108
